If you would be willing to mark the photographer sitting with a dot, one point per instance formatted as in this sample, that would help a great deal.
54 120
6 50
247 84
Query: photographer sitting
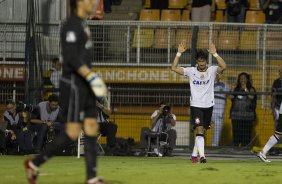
17 118
46 114
107 128
162 120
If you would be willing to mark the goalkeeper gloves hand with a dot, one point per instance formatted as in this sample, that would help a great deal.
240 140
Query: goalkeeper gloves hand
97 85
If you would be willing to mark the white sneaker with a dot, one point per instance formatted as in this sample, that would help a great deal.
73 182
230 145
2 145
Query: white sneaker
157 152
262 157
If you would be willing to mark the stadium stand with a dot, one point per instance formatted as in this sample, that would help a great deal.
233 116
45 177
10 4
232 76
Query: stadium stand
128 10
220 4
182 36
274 40
228 40
177 4
147 4
146 35
220 16
185 15
255 17
149 15
203 39
170 15
251 40
161 35
248 40
254 5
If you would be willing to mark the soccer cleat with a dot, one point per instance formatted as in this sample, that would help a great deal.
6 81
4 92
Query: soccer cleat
194 160
96 180
262 157
157 152
203 160
30 172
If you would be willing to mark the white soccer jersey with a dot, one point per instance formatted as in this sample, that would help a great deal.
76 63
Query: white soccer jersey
202 86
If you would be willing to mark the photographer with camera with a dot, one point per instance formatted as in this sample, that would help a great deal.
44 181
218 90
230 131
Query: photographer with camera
16 120
44 122
162 121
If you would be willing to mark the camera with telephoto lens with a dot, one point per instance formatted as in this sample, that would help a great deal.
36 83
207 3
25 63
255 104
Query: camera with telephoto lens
20 106
51 134
166 110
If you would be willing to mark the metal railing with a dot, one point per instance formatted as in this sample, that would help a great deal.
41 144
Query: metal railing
137 55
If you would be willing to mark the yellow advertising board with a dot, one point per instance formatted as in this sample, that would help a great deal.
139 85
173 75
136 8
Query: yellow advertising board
12 73
139 75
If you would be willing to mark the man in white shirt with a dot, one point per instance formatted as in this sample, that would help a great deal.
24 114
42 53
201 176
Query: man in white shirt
162 120
201 79
56 75
218 109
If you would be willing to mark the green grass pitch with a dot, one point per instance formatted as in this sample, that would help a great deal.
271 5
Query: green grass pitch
136 170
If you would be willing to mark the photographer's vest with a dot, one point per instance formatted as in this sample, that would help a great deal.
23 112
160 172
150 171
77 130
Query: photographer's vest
8 117
44 115
100 117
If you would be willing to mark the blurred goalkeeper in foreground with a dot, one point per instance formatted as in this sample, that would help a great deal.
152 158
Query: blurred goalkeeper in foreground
78 90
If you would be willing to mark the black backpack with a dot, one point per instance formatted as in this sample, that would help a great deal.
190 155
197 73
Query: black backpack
234 7
2 142
124 147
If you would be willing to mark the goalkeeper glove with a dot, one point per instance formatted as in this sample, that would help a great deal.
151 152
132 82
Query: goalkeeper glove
97 85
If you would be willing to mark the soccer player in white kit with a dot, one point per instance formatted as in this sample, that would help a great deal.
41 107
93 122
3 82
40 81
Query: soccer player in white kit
201 79
274 139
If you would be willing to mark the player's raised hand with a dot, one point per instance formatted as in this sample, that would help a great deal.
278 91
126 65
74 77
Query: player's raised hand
212 49
182 47
97 85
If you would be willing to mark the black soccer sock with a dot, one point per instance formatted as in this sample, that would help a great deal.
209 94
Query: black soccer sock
59 143
90 154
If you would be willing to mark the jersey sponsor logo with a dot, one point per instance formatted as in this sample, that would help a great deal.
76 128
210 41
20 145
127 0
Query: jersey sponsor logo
71 38
201 82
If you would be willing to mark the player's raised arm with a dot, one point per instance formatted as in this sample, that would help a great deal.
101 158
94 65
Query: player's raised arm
174 67
220 61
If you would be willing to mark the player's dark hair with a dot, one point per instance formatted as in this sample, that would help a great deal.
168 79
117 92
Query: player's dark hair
10 101
201 53
53 98
55 60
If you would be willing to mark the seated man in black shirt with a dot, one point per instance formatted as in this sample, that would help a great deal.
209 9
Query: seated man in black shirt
107 128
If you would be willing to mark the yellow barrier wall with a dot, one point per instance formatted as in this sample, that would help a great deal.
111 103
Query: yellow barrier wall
130 126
